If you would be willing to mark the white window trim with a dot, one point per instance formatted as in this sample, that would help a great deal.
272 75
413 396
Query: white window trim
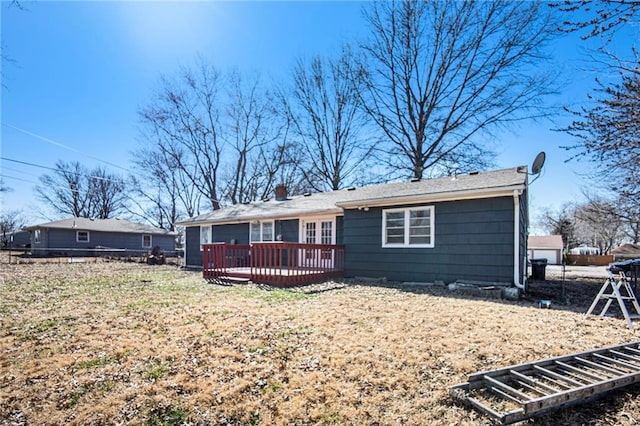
262 222
407 228
210 235
150 240
317 219
78 240
37 236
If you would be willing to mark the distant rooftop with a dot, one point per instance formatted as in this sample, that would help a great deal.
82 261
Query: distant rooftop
545 241
101 225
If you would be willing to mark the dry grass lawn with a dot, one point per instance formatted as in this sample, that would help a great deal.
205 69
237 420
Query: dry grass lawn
123 343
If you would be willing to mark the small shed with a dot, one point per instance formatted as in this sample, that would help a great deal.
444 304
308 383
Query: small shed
545 247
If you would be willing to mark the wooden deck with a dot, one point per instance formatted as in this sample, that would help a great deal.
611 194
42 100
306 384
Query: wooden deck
278 264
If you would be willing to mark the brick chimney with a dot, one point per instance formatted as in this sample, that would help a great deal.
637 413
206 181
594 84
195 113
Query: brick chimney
281 192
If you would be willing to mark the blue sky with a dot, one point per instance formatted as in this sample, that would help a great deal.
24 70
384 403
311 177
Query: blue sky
79 72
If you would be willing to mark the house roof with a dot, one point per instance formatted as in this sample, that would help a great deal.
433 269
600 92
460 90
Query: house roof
633 249
101 225
545 242
468 186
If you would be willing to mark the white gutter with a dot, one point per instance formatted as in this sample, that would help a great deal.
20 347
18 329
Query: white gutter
432 198
516 241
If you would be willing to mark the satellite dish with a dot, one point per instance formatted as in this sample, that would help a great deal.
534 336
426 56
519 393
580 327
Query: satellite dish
536 168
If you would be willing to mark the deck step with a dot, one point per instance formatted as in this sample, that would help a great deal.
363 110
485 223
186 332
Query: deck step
522 391
234 280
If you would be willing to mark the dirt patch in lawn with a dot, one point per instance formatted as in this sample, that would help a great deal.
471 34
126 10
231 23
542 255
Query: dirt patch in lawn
126 343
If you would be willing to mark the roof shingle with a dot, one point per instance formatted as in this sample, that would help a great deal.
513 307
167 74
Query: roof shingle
335 201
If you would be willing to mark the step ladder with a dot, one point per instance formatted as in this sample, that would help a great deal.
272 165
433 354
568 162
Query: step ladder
519 392
620 291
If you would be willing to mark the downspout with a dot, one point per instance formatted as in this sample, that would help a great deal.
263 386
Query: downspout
516 241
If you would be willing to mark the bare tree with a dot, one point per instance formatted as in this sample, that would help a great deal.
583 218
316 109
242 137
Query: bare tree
561 222
184 120
66 189
222 135
161 194
252 127
628 209
74 190
598 225
443 73
608 133
599 17
106 193
328 118
10 221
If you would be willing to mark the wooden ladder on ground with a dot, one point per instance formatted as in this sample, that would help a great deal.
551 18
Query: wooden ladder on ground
621 292
519 392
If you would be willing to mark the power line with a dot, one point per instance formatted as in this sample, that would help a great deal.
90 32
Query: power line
16 178
58 144
27 164
57 170
36 183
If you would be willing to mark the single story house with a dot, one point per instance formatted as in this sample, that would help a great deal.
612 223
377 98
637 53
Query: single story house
626 251
16 239
464 227
547 247
79 236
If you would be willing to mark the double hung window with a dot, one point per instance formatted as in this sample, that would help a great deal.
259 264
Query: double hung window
261 232
82 236
408 227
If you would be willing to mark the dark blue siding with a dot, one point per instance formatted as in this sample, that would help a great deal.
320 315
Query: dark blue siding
64 241
473 241
193 253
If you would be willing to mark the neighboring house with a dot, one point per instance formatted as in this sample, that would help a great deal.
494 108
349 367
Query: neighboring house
17 239
467 227
85 237
547 247
626 251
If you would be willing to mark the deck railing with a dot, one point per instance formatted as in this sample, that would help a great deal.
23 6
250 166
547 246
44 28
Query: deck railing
279 264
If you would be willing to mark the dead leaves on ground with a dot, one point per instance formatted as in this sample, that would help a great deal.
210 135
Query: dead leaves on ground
127 343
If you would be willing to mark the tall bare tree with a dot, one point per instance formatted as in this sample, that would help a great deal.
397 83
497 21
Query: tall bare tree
106 193
72 189
441 74
608 133
252 128
221 134
161 193
184 121
328 118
